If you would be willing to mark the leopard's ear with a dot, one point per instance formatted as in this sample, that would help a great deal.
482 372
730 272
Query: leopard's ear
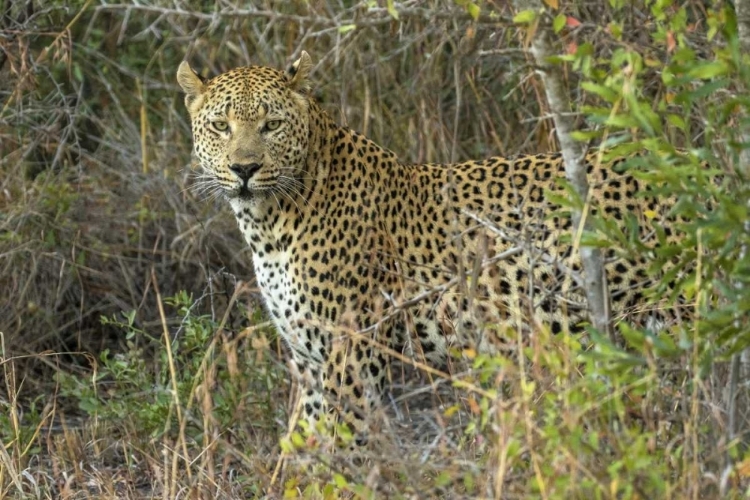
192 84
298 72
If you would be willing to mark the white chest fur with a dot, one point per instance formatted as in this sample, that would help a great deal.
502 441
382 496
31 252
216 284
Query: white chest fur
273 279
282 300
282 296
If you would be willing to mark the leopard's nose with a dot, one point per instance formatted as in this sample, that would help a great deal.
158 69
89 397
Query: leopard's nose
245 170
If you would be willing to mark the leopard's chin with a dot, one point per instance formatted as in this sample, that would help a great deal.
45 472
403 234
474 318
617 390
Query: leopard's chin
246 194
242 193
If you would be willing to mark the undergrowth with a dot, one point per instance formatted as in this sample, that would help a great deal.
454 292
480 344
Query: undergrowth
558 419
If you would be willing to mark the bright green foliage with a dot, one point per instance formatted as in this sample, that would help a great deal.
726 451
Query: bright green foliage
472 7
704 177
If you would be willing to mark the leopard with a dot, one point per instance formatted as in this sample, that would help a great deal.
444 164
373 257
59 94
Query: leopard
362 258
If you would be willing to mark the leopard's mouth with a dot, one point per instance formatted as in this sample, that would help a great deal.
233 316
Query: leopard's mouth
242 192
254 189
252 192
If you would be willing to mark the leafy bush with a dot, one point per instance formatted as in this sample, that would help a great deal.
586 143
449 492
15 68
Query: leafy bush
149 391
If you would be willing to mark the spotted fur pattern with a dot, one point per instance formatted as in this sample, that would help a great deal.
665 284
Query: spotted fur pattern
344 236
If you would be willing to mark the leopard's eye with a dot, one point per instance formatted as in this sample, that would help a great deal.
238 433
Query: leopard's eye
220 126
272 125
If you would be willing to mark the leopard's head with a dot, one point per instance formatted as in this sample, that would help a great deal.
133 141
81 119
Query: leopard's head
250 129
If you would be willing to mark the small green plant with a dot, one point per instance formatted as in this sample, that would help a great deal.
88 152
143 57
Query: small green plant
137 384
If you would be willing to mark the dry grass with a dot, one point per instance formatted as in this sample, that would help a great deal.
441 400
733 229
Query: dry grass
97 219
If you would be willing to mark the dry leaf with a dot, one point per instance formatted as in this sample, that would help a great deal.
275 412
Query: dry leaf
743 468
473 406
572 22
671 43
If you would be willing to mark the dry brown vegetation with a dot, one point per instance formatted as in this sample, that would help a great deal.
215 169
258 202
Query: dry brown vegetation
97 220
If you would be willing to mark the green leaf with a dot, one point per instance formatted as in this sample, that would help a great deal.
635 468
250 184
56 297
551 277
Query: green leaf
524 17
297 440
616 29
346 28
469 482
592 240
473 10
392 9
340 481
709 70
621 121
286 445
665 345
687 97
677 121
605 93
559 23
443 479
585 135
635 338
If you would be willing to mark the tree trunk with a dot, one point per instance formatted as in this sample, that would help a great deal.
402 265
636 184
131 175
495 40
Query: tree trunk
737 397
575 166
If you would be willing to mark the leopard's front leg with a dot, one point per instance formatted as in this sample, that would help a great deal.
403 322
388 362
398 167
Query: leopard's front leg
353 377
345 389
